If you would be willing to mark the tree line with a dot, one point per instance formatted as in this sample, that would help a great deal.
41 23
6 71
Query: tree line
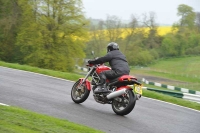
142 47
42 33
52 33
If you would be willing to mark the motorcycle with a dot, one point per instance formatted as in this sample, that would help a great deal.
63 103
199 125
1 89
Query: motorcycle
120 93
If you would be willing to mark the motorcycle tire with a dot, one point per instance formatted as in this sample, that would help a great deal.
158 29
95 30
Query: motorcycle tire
79 95
126 105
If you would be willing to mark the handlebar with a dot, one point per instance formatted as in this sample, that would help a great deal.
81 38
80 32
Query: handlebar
90 65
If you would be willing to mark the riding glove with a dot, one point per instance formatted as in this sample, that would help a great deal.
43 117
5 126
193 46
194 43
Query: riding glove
91 61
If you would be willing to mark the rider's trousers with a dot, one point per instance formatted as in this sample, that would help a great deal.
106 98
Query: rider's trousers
109 74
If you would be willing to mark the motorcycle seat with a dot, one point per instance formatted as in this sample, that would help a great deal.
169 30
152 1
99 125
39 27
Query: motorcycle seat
124 79
113 81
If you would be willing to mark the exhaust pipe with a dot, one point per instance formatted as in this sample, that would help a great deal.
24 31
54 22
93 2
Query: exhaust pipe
116 94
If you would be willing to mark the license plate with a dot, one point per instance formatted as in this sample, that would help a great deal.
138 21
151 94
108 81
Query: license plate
138 89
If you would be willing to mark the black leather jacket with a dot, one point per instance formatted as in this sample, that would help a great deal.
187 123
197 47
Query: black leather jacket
117 61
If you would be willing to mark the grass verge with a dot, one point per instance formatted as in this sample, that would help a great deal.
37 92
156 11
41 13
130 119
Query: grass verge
182 72
64 75
16 120
170 99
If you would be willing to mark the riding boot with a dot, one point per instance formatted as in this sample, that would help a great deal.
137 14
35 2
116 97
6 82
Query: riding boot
101 88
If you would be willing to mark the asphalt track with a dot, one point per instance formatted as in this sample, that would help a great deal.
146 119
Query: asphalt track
51 96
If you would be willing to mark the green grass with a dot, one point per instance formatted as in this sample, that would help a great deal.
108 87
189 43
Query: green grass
185 69
16 120
64 75
180 66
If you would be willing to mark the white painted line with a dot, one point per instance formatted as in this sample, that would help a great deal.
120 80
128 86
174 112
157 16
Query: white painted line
4 104
198 92
85 69
38 74
157 84
171 87
172 104
144 87
185 90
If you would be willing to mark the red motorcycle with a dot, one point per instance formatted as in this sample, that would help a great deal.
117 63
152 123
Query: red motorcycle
120 94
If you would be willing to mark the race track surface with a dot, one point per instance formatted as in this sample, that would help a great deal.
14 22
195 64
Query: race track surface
51 96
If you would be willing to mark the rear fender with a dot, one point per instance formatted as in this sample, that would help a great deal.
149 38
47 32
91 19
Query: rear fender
87 83
124 87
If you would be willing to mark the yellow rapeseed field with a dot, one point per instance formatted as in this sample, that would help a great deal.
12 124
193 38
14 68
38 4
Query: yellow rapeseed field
163 30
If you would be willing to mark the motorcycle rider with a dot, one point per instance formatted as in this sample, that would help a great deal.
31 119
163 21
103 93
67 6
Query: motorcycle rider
118 63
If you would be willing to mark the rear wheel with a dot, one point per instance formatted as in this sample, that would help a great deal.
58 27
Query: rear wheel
79 93
124 104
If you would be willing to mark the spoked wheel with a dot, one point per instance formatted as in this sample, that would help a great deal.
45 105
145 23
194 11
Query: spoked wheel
124 104
79 93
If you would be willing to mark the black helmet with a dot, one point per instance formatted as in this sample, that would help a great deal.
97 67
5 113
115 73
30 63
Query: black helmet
112 46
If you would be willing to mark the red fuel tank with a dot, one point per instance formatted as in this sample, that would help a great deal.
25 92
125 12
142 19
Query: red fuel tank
101 68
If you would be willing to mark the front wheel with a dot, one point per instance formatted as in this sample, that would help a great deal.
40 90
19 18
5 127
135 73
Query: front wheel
124 104
79 93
